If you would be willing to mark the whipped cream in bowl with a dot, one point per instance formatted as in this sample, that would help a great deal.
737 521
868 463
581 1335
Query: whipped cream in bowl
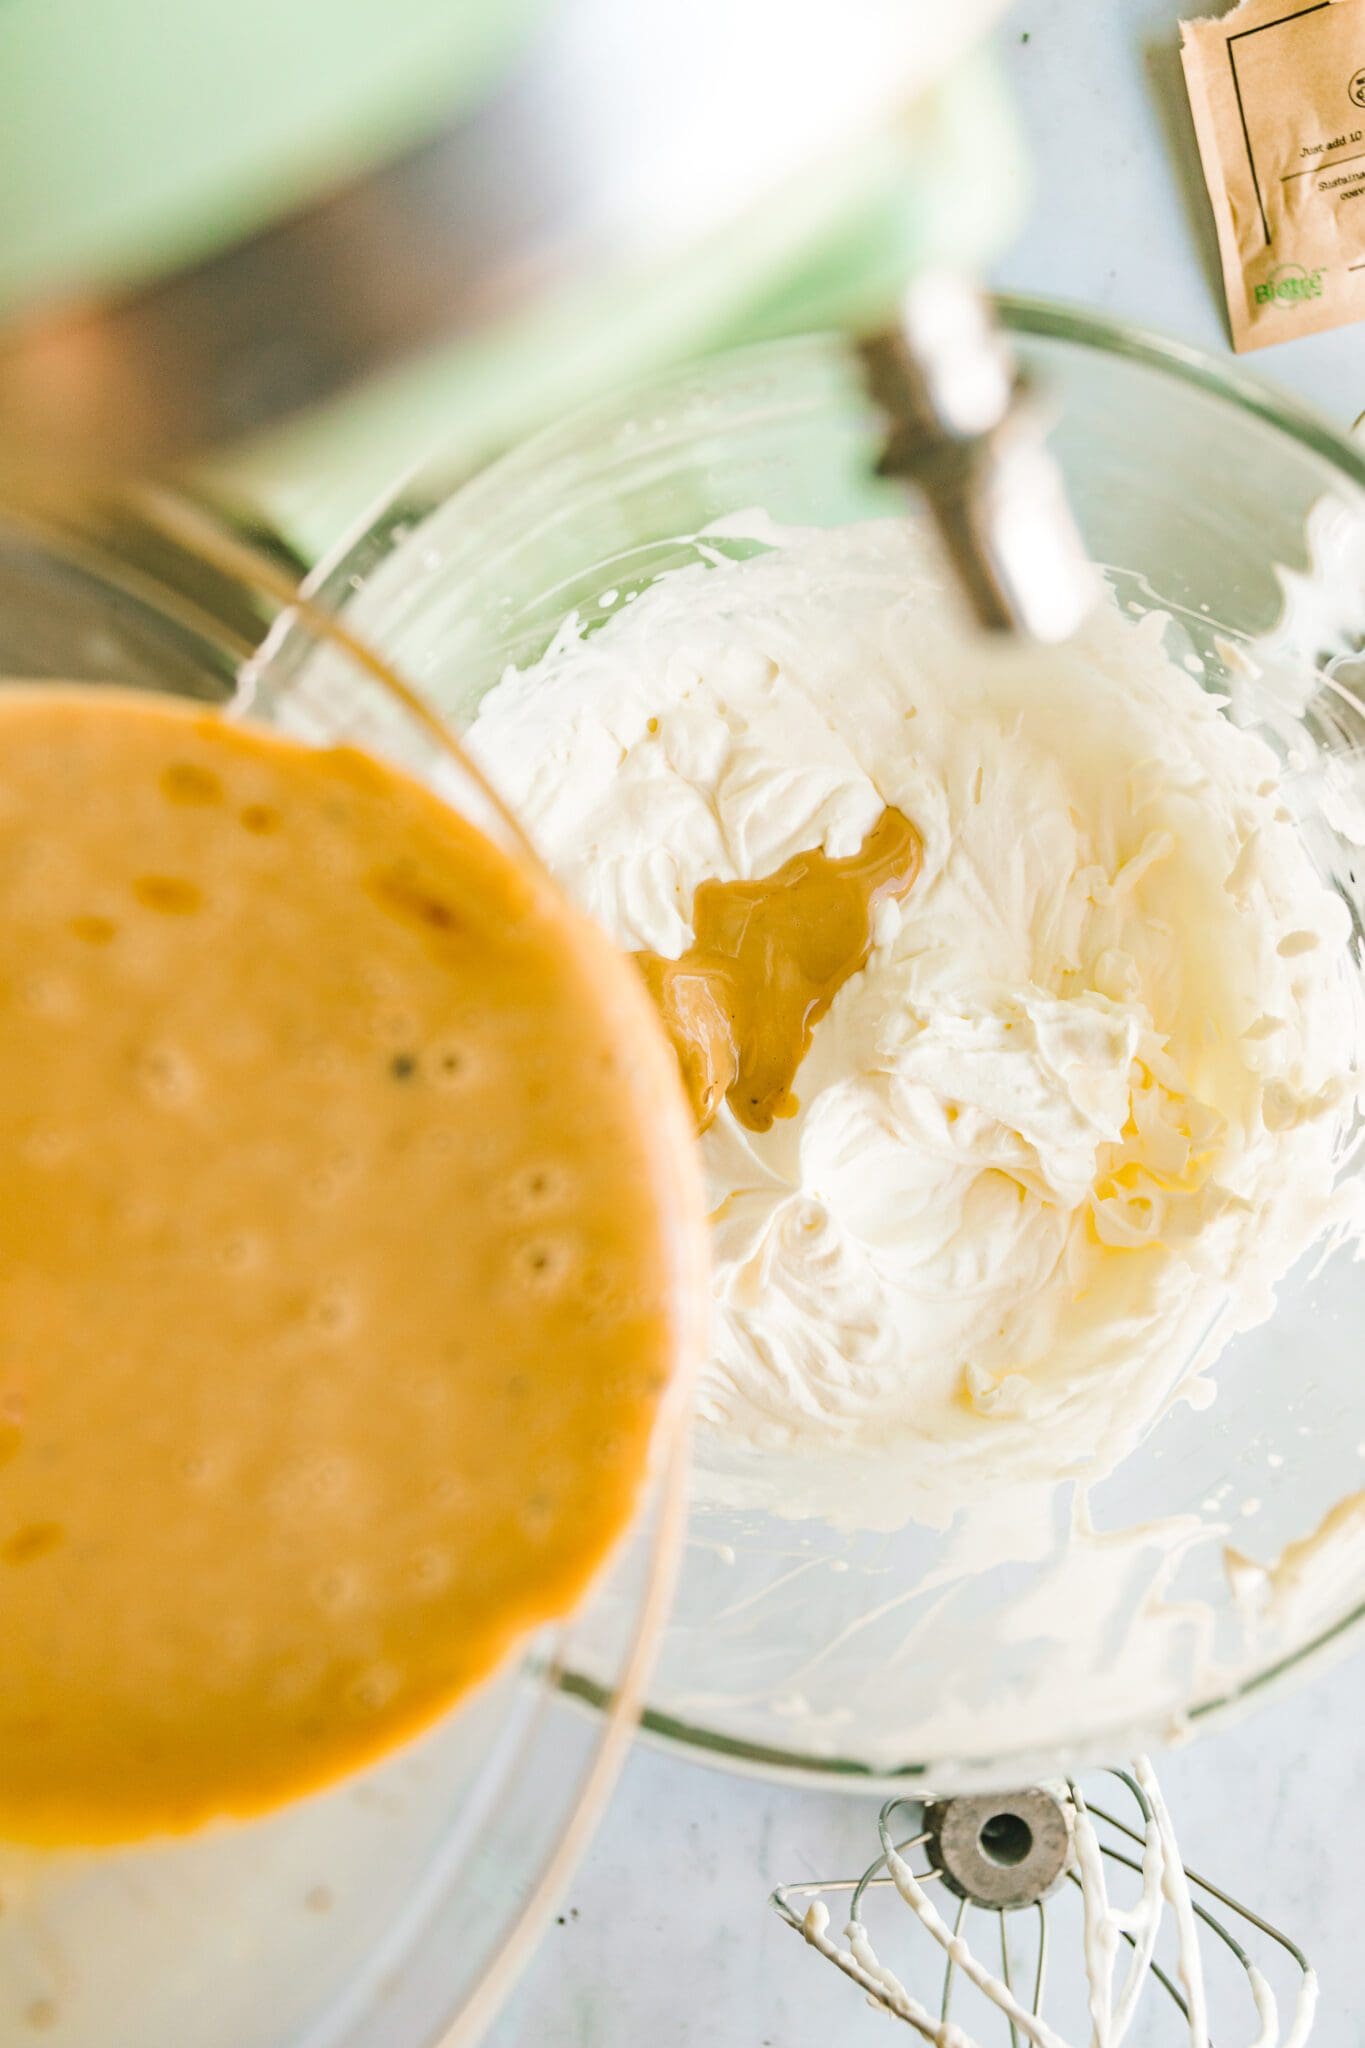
1087 1100
1037 1300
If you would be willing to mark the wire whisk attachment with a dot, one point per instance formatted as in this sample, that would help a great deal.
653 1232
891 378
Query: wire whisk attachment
1087 1912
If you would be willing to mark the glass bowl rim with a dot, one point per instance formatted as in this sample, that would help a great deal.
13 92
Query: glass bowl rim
412 497
346 567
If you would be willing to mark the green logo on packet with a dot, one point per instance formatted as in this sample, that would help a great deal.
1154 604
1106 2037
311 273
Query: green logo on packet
1290 285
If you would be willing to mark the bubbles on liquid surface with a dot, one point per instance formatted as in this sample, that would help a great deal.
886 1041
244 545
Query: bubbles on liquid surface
602 1296
432 1569
47 1146
394 1029
426 1389
535 1190
545 1265
241 1251
334 1311
322 1481
185 782
340 1589
165 1075
536 1516
205 1468
331 1177
450 1493
373 1688
453 1063
51 996
260 819
169 895
33 1541
325 1062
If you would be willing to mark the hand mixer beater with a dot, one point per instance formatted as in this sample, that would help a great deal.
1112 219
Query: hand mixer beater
1041 1863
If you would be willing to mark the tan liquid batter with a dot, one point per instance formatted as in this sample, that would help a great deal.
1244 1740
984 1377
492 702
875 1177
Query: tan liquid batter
767 960
345 1221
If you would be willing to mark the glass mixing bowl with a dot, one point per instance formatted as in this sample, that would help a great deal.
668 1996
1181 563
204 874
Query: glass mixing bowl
802 1647
397 1904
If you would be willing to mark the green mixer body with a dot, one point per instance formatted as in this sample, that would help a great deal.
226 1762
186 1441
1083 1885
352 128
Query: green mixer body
141 136
138 135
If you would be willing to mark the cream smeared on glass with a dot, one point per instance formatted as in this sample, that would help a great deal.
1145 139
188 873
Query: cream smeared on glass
1086 1102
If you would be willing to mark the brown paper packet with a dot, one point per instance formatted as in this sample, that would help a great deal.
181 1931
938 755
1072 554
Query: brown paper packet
1277 90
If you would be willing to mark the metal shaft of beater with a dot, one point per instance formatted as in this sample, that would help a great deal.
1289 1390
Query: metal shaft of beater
965 427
